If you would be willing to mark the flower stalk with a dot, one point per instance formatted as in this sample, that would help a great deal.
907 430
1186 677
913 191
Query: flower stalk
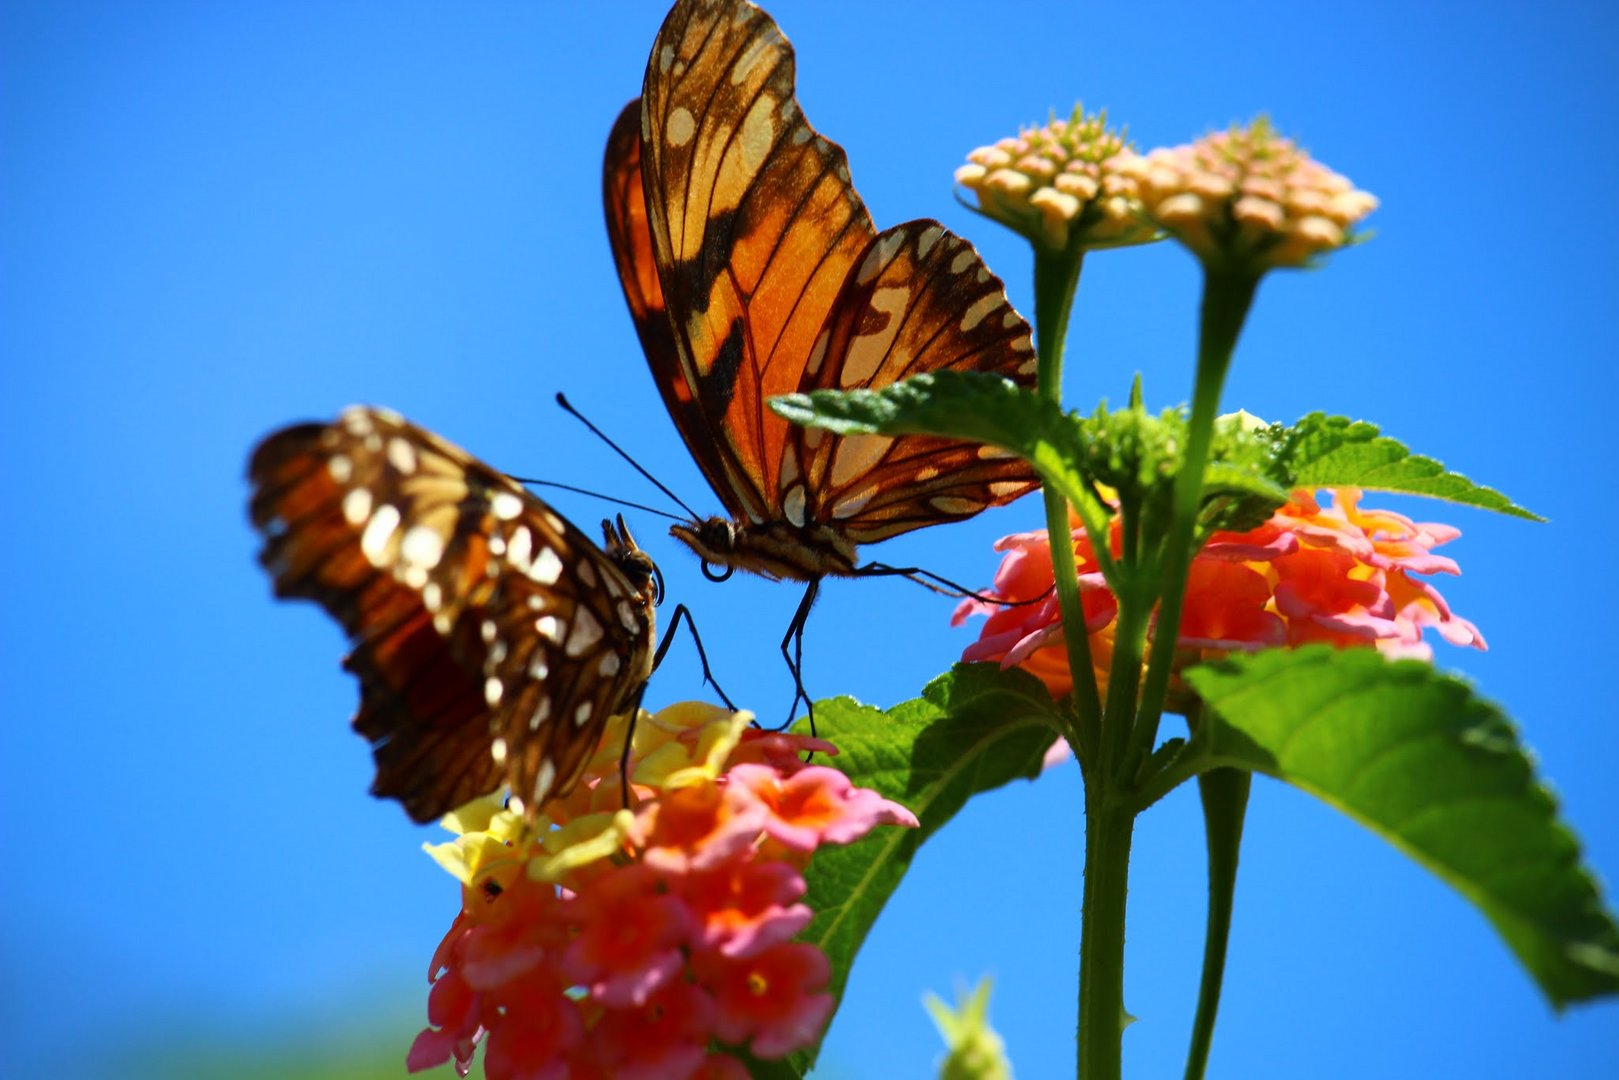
1227 297
1056 280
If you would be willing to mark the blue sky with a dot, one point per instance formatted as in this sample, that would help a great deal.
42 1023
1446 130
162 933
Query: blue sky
218 218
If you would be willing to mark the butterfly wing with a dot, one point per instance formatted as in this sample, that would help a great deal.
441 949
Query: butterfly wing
491 638
920 300
754 225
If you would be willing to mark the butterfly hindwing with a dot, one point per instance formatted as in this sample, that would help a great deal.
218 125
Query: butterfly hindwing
920 300
491 638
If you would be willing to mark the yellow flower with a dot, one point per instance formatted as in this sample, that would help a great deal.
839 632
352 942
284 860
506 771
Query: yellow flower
1248 198
1059 185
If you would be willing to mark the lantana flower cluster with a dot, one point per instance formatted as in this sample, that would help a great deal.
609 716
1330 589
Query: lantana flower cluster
1060 183
1248 196
1339 574
633 943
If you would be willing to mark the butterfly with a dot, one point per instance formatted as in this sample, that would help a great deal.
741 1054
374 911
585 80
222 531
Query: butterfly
492 638
751 268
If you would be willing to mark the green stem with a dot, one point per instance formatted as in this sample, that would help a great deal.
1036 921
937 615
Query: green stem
1056 277
1102 1018
1225 803
1226 299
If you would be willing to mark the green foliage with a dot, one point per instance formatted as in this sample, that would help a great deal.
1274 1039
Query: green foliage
1251 467
1135 453
975 728
976 1050
1334 451
1436 770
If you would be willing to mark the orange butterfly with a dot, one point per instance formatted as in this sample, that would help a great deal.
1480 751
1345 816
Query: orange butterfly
492 638
752 269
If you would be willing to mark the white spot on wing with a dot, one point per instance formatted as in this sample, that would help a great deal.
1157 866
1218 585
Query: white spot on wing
492 691
549 627
497 750
582 713
963 259
793 505
868 351
340 468
402 455
857 455
520 548
881 254
584 633
378 531
925 241
848 508
356 506
547 568
505 505
421 546
680 128
980 309
951 504
541 713
609 665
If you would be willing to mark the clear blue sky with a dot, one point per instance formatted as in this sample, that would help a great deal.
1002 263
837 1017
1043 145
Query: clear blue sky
216 218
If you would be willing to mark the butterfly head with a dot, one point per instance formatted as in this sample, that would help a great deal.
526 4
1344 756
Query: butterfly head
636 564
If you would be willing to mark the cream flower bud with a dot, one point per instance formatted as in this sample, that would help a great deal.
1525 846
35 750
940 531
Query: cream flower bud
1060 184
1249 197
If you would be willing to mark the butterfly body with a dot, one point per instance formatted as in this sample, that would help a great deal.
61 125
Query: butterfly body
491 638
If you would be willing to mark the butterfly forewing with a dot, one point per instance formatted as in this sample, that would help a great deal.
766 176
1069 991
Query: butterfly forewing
491 638
772 280
754 227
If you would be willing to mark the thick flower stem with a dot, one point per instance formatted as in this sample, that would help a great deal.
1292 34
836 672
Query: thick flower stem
1225 804
1108 830
1056 277
1226 299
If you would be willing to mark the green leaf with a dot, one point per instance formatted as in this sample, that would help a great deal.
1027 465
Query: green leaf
1437 771
974 729
1334 451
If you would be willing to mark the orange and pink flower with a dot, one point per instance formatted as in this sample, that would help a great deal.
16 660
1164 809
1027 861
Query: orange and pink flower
1341 575
626 943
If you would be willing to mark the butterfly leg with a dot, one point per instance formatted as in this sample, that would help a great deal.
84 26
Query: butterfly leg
929 580
702 656
792 650
629 742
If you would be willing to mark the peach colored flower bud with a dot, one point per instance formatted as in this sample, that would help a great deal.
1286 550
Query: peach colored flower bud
1248 197
1059 185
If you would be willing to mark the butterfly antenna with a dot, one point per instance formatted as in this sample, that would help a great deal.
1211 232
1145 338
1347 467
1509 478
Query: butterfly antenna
530 481
562 399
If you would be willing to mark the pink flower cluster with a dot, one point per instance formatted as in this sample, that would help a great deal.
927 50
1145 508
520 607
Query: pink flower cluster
1342 575
628 943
